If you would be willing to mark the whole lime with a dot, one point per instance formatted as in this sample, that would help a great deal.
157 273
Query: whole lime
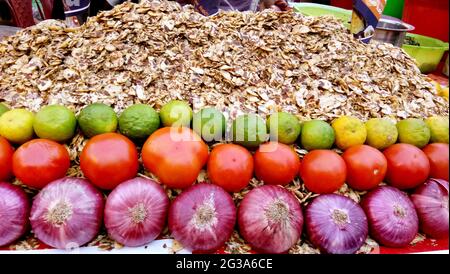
439 128
210 124
381 133
55 122
3 109
176 113
249 130
139 121
349 131
317 134
284 127
17 125
97 119
413 131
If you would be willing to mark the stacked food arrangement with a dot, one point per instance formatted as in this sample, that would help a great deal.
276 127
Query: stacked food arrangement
266 132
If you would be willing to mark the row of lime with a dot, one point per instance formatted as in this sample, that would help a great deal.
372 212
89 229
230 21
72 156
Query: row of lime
58 123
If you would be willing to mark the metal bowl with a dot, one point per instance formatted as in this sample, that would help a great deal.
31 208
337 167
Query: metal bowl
391 30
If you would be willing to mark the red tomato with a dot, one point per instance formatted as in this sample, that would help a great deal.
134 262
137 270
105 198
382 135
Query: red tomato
323 171
438 155
366 167
175 155
276 163
39 162
230 166
408 166
6 155
109 159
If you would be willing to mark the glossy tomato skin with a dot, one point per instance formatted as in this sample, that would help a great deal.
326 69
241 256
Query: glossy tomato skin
175 155
276 163
408 166
438 154
323 171
39 162
230 166
109 159
6 156
366 167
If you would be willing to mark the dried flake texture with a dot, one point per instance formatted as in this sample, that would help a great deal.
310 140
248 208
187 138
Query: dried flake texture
156 51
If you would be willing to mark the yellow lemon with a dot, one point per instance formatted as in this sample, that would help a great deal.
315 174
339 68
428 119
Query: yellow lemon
349 131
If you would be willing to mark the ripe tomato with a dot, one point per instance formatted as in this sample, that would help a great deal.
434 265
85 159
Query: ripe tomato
175 155
408 166
230 166
276 163
438 155
323 171
109 159
6 155
39 162
366 167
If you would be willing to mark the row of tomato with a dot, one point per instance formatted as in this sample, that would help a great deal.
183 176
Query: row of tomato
177 155
204 215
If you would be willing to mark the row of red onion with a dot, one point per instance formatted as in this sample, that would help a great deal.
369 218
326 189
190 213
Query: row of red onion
68 213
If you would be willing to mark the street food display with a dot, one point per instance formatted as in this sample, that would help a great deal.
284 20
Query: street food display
240 132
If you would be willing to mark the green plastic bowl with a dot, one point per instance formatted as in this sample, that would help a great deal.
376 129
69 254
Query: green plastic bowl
428 54
310 9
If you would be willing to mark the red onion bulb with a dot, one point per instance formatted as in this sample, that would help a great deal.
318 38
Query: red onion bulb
135 212
392 218
270 219
67 213
336 224
431 202
14 212
202 217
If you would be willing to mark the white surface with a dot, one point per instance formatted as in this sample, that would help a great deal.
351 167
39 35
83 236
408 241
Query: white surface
155 247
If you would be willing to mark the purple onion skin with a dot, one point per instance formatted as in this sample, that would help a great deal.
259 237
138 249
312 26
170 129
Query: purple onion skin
212 200
264 233
336 224
431 202
137 194
393 220
14 213
82 207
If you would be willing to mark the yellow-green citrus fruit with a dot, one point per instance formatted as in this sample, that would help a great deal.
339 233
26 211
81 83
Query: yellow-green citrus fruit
414 132
17 125
381 133
350 131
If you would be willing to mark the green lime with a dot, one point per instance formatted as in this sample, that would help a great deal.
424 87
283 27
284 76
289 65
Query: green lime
439 129
3 109
138 121
317 134
284 127
381 133
413 131
17 125
249 130
210 124
55 122
176 113
96 119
